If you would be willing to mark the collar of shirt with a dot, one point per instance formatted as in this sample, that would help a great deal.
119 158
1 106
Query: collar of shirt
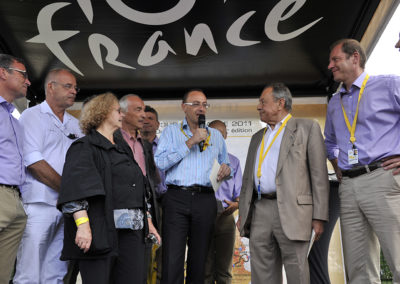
357 83
128 136
155 141
186 127
9 107
276 125
45 108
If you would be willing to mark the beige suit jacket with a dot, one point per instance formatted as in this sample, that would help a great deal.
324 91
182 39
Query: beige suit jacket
301 180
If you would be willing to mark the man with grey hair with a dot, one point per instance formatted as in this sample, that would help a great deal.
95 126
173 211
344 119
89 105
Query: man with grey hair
48 132
129 137
362 138
285 190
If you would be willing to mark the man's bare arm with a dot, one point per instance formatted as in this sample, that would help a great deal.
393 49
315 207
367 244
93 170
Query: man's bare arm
44 173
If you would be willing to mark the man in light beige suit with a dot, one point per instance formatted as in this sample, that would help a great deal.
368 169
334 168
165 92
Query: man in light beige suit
285 190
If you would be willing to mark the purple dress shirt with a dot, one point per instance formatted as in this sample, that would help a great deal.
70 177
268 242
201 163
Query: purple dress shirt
378 124
162 187
12 169
230 189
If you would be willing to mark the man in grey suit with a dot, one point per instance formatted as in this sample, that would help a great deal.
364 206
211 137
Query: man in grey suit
285 190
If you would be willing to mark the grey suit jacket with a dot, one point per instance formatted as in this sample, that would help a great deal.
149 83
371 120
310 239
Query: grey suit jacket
301 180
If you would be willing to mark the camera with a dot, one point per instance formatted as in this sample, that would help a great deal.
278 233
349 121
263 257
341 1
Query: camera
152 239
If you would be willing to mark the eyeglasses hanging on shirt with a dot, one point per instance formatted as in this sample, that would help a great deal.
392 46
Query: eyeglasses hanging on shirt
66 132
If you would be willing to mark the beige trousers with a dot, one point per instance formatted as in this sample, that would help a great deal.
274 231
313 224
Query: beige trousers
270 248
370 211
12 225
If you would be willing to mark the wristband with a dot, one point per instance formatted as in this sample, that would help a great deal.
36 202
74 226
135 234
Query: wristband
149 215
81 221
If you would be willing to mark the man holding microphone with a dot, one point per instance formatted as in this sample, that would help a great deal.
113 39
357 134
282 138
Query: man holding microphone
189 205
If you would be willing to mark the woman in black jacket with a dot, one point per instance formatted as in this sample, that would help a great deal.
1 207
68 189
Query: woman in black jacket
103 198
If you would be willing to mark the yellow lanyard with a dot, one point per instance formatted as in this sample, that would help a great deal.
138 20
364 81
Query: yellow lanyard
262 154
206 143
352 128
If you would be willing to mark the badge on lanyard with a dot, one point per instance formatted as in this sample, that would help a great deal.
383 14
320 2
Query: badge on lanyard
352 156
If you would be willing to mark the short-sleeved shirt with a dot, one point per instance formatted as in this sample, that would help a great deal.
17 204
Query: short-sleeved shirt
45 138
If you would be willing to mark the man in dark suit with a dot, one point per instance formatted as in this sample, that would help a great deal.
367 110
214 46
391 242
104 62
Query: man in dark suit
285 190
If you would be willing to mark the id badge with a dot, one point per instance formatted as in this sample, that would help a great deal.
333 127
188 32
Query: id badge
352 156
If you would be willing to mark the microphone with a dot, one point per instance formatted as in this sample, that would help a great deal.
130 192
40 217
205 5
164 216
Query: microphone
202 124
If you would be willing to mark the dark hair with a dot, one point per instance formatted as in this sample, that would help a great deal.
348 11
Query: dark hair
6 60
185 96
152 110
280 91
349 46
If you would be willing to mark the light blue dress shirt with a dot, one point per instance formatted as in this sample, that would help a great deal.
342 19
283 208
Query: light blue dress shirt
45 138
184 166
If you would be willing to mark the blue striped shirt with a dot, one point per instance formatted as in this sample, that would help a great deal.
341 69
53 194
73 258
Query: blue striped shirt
184 166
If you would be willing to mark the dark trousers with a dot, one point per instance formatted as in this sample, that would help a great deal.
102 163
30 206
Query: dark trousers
318 258
72 273
220 253
187 217
127 267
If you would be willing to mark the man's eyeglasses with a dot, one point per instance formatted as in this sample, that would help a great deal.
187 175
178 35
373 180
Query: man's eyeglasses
67 86
22 72
197 104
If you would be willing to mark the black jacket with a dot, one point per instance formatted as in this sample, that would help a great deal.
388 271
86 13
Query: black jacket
87 176
153 178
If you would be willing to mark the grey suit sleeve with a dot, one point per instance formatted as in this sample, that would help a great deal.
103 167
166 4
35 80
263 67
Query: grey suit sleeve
316 156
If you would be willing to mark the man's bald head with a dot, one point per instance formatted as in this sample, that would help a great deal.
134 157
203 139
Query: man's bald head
220 126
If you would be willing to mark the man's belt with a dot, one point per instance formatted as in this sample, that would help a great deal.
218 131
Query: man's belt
357 171
268 195
15 187
193 188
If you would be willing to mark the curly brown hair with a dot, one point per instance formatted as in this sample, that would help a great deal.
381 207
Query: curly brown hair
96 111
